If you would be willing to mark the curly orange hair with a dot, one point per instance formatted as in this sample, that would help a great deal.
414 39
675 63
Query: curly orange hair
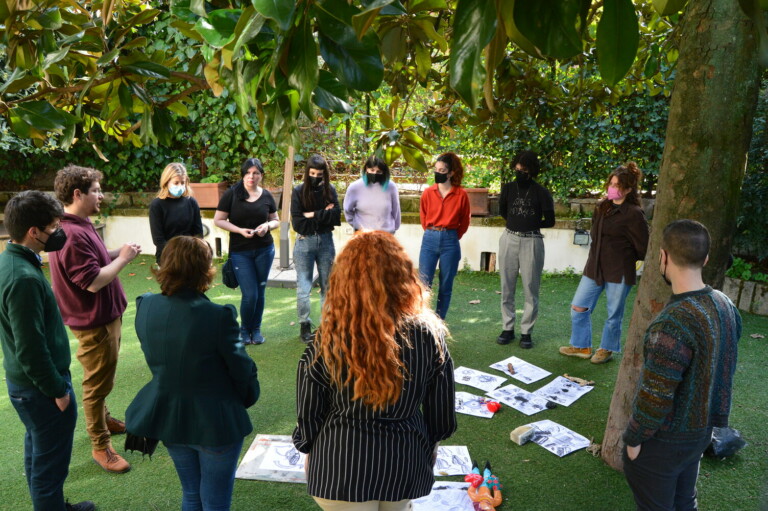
374 293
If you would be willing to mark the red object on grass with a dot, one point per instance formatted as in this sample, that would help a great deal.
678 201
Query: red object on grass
493 406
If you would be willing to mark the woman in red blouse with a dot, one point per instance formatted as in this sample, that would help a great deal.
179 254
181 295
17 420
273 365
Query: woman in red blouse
445 218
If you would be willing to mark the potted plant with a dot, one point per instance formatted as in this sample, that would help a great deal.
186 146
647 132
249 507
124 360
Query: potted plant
209 190
747 287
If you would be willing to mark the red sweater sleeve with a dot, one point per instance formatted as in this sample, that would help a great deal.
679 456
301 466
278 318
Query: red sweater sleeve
465 214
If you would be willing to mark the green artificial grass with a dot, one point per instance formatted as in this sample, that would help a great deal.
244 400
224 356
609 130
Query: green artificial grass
533 478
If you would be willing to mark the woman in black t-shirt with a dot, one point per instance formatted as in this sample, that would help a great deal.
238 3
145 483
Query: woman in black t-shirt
174 212
249 213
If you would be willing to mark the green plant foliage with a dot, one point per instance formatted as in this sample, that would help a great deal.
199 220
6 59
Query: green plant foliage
744 270
617 46
751 224
551 25
474 26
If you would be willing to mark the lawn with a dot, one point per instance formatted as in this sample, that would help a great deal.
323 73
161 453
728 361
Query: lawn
533 478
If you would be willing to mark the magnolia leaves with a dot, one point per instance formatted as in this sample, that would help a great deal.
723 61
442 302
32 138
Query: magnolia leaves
473 28
617 39
543 29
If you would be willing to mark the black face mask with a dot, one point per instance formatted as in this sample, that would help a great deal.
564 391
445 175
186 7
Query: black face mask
315 181
440 178
522 177
664 273
56 240
375 178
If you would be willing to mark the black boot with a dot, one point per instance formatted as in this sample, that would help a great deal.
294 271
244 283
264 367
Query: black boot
306 333
506 337
85 505
525 341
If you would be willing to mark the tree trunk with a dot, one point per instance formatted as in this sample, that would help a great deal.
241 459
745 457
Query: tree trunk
708 133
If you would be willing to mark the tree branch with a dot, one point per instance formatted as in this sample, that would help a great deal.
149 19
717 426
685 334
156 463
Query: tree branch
55 91
199 84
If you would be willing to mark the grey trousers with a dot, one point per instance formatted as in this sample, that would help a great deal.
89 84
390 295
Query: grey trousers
526 256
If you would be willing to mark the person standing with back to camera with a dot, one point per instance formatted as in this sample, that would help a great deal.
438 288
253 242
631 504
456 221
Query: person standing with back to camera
249 213
202 379
445 215
527 207
619 239
685 388
375 390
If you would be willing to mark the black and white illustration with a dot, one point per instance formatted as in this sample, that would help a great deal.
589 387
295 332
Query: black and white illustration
452 460
272 458
477 379
523 371
519 399
557 439
445 496
471 404
562 391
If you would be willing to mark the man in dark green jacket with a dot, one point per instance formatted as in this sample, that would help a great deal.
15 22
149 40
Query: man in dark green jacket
36 353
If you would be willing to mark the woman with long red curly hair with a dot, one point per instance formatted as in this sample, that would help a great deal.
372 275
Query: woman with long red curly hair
375 389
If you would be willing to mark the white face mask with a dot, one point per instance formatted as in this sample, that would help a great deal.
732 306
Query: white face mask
177 190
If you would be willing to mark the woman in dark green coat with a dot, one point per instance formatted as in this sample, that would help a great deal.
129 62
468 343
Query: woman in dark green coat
202 378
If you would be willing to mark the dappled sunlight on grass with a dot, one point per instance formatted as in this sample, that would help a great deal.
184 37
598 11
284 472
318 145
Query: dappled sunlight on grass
525 471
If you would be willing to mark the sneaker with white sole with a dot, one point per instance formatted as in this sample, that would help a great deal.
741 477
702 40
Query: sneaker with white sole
601 356
573 351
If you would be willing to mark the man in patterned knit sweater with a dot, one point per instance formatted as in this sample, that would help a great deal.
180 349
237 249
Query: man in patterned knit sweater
685 387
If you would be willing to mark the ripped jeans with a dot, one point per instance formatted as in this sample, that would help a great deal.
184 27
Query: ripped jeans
252 269
581 322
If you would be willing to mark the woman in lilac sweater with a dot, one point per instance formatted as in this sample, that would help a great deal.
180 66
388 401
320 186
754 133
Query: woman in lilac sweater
372 202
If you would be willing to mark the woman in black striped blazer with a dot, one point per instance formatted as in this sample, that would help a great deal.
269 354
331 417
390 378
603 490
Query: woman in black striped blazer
375 389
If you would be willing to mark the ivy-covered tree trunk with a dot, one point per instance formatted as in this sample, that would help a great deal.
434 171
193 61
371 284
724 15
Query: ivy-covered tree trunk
708 134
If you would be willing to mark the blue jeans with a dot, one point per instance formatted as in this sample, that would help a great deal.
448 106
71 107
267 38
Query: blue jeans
252 270
207 474
442 247
315 249
47 443
586 297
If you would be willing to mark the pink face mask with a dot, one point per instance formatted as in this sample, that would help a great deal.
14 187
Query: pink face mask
614 193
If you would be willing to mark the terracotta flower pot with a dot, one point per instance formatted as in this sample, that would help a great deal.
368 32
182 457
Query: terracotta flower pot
478 201
208 194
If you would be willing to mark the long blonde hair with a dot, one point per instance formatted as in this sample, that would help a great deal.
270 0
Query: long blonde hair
374 296
169 172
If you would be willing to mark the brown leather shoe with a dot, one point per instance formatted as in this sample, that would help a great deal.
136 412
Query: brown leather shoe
115 426
110 461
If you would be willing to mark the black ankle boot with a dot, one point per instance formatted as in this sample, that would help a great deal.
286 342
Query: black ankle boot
306 333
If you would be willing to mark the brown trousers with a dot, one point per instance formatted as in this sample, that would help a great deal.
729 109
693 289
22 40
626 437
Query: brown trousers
98 356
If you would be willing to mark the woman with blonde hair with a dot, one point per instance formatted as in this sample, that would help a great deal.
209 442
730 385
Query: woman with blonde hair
375 389
173 212
202 379
619 239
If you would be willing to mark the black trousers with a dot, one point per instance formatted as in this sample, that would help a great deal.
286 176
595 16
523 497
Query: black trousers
663 476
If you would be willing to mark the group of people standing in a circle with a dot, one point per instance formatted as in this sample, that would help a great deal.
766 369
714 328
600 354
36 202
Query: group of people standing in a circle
376 324
249 212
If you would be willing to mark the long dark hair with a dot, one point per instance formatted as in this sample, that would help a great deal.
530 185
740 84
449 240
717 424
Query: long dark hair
629 176
453 162
307 192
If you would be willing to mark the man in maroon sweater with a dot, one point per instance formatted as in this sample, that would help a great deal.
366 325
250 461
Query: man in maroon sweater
92 301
